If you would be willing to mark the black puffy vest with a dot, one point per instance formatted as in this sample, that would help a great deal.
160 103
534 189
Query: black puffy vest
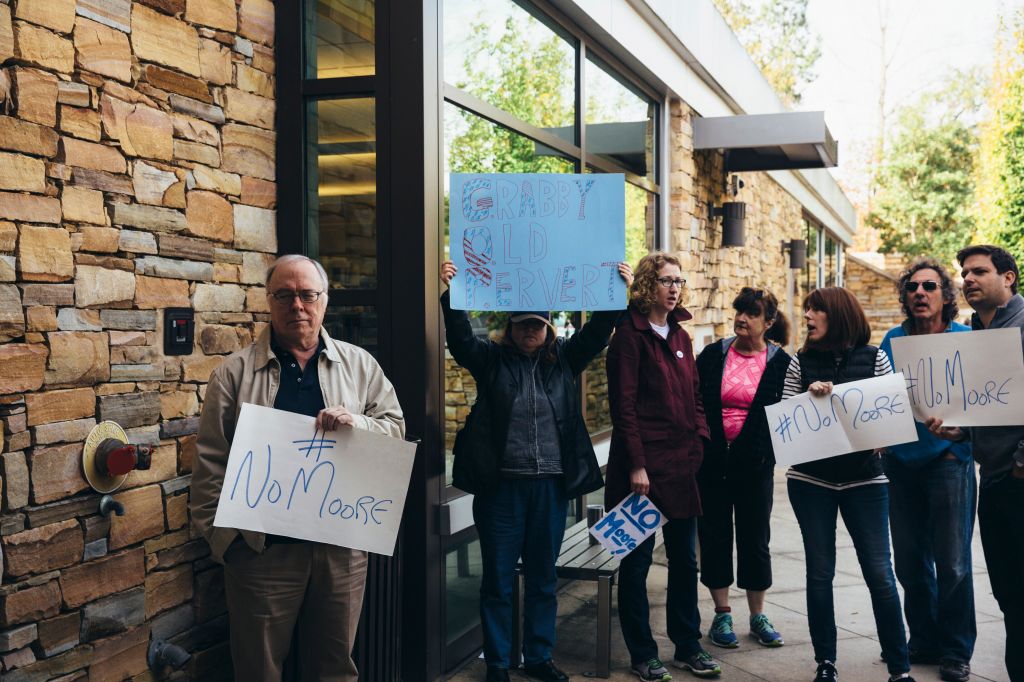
851 365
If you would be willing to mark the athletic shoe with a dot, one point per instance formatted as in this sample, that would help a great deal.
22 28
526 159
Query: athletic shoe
721 633
764 632
700 664
826 672
902 678
953 670
652 670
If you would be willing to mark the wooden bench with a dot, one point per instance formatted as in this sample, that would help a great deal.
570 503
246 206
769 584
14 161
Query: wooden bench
577 560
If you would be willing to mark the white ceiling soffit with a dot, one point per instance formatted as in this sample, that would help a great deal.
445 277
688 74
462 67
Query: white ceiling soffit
764 142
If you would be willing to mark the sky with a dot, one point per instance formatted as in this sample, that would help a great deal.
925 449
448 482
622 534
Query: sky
926 40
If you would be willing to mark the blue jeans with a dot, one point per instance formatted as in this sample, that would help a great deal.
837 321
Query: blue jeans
865 511
931 513
681 608
523 517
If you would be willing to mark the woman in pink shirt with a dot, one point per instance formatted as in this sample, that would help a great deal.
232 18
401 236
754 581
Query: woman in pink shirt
739 376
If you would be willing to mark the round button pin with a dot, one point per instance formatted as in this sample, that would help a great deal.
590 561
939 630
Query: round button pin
679 353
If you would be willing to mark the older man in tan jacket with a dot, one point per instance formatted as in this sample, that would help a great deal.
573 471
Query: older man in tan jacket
277 586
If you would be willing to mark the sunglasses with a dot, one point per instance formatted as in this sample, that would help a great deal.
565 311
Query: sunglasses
927 286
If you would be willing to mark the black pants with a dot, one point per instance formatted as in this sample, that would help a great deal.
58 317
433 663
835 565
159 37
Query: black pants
681 612
751 501
1001 519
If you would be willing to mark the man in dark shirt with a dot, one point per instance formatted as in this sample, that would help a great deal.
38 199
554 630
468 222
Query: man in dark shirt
990 287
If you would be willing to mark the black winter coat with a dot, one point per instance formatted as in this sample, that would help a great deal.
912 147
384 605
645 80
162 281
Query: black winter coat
480 444
751 452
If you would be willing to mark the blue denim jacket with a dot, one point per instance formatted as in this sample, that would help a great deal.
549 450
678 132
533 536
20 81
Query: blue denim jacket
927 447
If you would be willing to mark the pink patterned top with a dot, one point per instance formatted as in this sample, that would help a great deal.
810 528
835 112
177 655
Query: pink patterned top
739 385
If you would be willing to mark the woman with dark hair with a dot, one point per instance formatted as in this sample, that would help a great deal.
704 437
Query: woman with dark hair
836 351
524 453
658 429
739 377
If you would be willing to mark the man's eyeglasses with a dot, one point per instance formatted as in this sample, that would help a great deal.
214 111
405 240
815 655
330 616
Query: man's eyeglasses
285 297
668 282
927 286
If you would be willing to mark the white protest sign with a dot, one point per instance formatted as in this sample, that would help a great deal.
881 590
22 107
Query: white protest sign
628 524
285 477
859 415
964 378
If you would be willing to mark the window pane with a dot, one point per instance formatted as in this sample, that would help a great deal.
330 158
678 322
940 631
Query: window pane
342 203
353 324
463 567
598 416
339 38
640 218
831 262
507 57
620 122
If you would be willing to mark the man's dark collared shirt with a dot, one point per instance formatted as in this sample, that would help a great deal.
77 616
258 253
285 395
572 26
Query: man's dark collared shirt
299 391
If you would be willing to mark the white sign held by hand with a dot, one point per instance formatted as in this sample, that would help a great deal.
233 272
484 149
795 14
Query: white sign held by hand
858 415
286 477
966 379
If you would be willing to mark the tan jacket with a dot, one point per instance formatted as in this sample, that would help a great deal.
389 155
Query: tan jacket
348 375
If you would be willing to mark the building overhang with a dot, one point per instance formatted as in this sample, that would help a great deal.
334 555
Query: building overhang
765 142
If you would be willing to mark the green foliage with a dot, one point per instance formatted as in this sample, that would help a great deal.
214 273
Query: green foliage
1000 168
529 84
925 185
776 35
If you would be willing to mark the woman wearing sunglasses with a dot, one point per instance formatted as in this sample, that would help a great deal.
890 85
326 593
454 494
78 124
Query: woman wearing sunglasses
836 351
739 377
657 446
524 453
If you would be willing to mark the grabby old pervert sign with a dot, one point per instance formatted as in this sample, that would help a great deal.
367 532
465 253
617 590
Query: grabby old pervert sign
859 415
628 524
966 379
532 241
286 477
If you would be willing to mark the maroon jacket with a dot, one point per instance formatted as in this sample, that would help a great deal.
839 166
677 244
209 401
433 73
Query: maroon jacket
657 414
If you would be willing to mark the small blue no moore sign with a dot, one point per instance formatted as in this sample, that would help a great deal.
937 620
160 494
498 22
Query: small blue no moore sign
628 524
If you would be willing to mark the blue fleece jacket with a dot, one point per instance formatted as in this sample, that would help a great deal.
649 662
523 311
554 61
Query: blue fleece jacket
927 447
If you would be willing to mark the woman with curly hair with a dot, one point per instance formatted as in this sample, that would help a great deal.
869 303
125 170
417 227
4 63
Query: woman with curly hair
739 377
657 446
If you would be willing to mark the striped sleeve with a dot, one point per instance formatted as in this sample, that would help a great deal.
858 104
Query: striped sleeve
882 364
792 386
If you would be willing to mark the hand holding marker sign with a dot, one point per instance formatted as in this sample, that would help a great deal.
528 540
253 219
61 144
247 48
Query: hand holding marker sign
970 379
284 476
629 523
530 241
858 415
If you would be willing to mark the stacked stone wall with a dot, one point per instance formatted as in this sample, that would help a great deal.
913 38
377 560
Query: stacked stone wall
714 273
136 174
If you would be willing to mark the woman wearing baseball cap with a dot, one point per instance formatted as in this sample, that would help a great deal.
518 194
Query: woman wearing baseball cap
523 453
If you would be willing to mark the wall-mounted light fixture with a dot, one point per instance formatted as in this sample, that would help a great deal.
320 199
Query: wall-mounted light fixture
797 253
734 216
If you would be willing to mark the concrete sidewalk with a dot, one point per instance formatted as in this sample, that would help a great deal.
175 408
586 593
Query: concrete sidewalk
858 649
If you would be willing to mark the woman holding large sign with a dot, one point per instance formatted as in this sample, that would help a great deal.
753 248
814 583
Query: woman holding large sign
524 453
658 428
739 376
836 351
